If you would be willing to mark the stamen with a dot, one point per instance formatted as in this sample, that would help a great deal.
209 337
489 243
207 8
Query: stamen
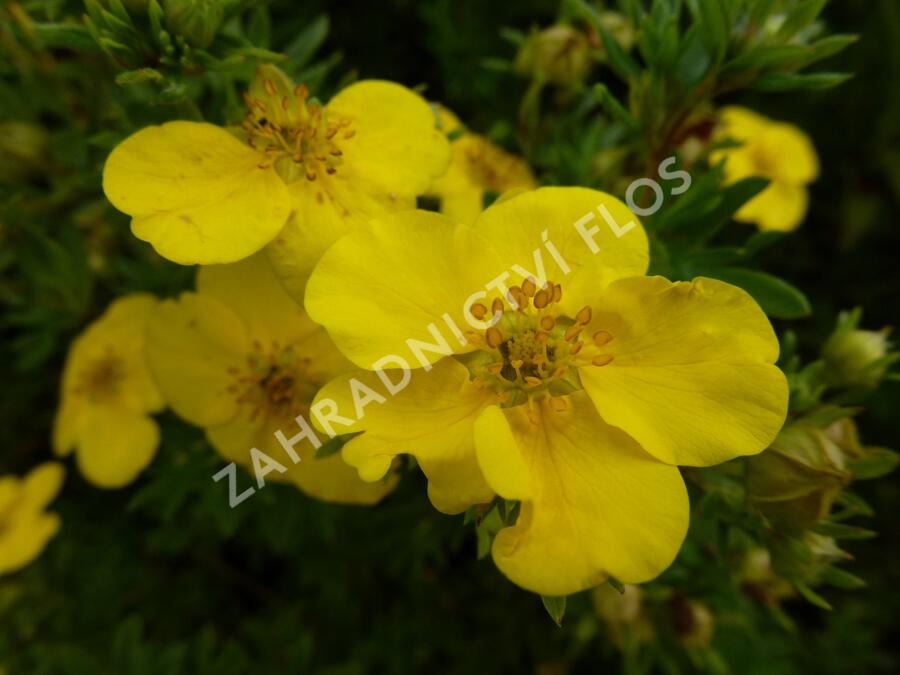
558 403
494 337
541 299
602 337
602 359
478 310
548 322
572 332
529 287
584 315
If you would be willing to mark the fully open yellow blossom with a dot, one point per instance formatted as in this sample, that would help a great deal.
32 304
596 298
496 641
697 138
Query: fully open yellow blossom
107 395
25 528
201 194
778 151
577 387
477 166
241 359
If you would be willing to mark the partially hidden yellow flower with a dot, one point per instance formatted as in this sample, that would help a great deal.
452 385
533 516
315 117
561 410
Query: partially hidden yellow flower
25 527
107 397
201 194
579 404
781 152
242 360
477 166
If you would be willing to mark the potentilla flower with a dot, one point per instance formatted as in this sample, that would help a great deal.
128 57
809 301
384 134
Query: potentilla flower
477 166
201 194
107 397
242 360
781 152
25 526
545 368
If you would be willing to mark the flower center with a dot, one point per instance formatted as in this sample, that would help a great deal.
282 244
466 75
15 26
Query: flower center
274 381
297 136
100 380
530 350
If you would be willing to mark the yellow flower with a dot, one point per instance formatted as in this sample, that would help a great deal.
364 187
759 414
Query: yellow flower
200 194
107 395
775 150
579 404
241 359
25 528
476 166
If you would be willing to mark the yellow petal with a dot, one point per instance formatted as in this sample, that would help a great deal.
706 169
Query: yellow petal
593 252
431 419
191 345
23 540
594 504
196 193
251 290
119 446
691 378
324 211
396 143
384 284
42 484
234 438
792 155
780 207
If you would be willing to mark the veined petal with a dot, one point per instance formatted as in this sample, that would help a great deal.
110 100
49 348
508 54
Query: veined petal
594 504
431 419
396 143
119 446
251 290
385 284
594 253
196 193
691 378
325 210
191 345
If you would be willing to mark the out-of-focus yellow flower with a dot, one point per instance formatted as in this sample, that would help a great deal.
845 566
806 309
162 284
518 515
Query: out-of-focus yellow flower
25 528
477 166
200 194
241 359
578 404
781 152
107 395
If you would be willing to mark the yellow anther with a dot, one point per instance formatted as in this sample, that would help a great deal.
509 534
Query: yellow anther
557 293
517 363
584 315
559 372
576 348
495 368
497 306
602 359
602 337
533 381
478 310
529 287
558 403
541 299
548 322
542 336
269 86
494 337
572 332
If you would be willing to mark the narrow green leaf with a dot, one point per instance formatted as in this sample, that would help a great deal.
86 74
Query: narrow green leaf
812 596
791 82
777 297
68 36
622 64
555 606
302 48
878 462
612 106
839 578
842 531
799 17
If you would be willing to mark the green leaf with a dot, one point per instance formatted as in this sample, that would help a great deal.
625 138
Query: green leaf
616 584
612 106
799 17
777 297
622 64
842 531
878 462
713 20
812 596
334 444
839 578
68 36
790 82
555 606
302 48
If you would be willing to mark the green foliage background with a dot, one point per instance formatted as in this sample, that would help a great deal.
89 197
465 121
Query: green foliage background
162 577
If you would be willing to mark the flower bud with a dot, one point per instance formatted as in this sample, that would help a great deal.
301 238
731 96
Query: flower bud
694 622
622 613
797 478
856 358
559 54
197 21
